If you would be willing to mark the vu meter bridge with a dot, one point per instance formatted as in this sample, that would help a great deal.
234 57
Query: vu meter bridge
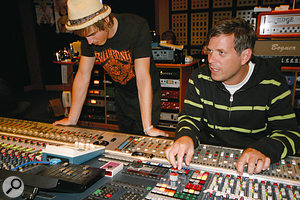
146 173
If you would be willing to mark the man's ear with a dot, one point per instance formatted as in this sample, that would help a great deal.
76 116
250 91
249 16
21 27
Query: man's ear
245 56
106 19
106 23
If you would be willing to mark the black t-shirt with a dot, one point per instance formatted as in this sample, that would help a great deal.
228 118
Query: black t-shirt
131 41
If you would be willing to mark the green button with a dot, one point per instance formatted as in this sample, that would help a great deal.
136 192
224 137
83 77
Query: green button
98 191
149 188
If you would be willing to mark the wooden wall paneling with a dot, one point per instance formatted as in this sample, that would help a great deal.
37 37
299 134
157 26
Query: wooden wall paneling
179 27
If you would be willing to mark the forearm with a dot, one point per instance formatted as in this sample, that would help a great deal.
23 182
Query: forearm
190 117
284 136
80 87
79 91
145 100
144 86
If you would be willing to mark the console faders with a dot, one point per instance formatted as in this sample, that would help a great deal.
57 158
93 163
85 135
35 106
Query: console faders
148 145
210 185
216 156
15 151
225 186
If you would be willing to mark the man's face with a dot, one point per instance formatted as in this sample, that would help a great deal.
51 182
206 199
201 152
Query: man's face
225 63
97 37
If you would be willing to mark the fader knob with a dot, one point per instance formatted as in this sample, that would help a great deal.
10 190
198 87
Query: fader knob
173 176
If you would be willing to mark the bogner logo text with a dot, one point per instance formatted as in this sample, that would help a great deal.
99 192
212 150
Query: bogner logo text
277 47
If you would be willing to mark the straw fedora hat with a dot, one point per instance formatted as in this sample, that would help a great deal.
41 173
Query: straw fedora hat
83 13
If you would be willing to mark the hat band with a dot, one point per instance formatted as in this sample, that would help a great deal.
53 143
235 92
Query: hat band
87 18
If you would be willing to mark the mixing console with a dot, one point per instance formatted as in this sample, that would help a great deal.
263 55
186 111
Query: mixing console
146 173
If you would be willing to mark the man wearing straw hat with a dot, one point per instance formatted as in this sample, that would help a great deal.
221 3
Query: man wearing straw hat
122 44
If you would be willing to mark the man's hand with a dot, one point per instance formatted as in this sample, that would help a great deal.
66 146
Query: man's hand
65 122
256 162
182 146
154 132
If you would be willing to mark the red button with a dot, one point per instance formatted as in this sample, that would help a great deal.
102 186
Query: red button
199 187
108 195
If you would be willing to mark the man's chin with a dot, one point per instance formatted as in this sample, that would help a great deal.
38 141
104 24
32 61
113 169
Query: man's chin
217 79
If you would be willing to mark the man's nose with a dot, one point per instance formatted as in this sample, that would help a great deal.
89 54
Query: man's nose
211 57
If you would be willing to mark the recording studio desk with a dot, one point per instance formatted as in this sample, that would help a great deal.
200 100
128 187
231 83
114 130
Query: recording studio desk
146 170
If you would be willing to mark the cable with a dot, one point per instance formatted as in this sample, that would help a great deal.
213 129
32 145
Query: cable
52 161
28 163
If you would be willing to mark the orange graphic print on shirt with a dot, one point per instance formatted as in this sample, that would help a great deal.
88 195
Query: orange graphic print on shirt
118 64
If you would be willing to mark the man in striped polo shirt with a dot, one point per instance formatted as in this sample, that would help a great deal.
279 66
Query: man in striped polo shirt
237 100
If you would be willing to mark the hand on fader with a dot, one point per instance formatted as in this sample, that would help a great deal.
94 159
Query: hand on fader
255 159
182 146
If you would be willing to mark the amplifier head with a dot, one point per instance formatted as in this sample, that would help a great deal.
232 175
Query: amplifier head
279 24
277 48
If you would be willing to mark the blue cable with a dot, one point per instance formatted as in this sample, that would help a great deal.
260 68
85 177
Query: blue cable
53 161
28 163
